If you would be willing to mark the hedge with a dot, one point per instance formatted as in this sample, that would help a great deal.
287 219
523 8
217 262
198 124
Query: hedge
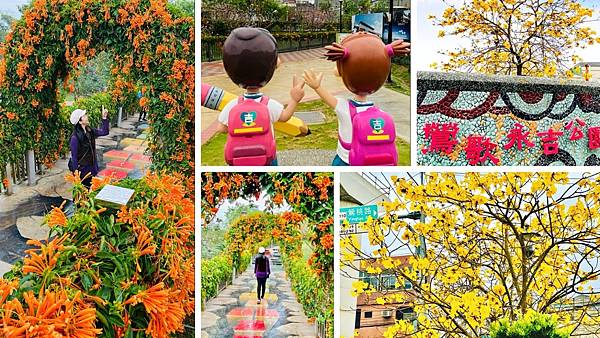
316 299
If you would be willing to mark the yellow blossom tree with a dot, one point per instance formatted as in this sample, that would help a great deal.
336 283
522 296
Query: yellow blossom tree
489 246
516 37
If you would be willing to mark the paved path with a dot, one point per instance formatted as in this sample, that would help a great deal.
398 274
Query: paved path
21 214
304 157
278 88
235 312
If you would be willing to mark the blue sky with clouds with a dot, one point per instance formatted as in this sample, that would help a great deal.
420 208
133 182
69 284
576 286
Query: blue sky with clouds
426 44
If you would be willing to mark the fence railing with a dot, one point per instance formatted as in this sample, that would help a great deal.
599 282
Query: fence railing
321 329
211 50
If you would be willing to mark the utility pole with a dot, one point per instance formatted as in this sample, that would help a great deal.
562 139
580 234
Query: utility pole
341 2
389 37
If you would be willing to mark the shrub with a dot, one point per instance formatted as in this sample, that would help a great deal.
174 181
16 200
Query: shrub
215 272
125 272
316 298
532 325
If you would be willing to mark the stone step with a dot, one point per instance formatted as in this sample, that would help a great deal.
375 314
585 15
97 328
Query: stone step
254 304
250 328
246 296
249 313
140 161
135 149
114 173
128 141
4 268
266 314
116 155
120 165
33 227
240 312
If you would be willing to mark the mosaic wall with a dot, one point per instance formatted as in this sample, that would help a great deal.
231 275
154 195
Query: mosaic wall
469 119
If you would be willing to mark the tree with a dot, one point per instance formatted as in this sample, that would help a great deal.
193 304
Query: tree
516 37
185 7
491 246
6 22
94 76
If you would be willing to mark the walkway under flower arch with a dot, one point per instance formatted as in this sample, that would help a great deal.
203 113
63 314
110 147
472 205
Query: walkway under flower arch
235 312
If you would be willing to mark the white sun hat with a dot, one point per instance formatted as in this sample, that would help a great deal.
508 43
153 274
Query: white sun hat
76 115
261 250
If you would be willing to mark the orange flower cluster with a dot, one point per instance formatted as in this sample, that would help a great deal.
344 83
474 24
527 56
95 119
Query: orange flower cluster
57 217
145 243
166 316
323 183
52 314
130 216
327 241
99 182
46 259
324 226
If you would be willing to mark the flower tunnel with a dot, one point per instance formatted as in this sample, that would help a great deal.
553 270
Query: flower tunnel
309 223
107 272
152 47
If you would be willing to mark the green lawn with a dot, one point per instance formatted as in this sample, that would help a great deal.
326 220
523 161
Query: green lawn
400 79
323 136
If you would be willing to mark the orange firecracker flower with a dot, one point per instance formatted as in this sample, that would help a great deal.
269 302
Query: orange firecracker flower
144 242
73 177
98 182
47 257
154 299
6 288
57 216
327 241
50 315
169 321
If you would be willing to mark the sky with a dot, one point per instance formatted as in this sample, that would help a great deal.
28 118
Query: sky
11 7
426 44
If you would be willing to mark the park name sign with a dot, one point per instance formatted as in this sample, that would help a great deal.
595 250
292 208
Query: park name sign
474 119
114 197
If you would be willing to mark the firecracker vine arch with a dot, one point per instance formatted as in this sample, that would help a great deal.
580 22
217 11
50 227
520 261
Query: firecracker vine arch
310 196
152 46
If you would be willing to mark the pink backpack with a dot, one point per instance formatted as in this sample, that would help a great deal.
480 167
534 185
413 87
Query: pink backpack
373 138
250 139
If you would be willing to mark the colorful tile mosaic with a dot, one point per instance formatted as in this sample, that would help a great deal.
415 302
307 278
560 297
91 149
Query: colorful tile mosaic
467 119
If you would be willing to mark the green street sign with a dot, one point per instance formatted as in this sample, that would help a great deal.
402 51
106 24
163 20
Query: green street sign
359 214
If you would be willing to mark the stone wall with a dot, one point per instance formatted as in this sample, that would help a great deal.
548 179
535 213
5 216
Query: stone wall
472 119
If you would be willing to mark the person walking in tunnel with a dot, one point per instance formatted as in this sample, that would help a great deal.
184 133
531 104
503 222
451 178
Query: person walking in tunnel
262 270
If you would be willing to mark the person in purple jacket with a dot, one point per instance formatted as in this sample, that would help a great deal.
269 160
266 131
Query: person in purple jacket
262 272
83 145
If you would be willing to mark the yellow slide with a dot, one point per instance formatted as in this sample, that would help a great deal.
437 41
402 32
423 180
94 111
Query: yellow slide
216 98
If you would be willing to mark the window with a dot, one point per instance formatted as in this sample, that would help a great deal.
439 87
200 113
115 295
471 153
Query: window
357 319
407 314
369 314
